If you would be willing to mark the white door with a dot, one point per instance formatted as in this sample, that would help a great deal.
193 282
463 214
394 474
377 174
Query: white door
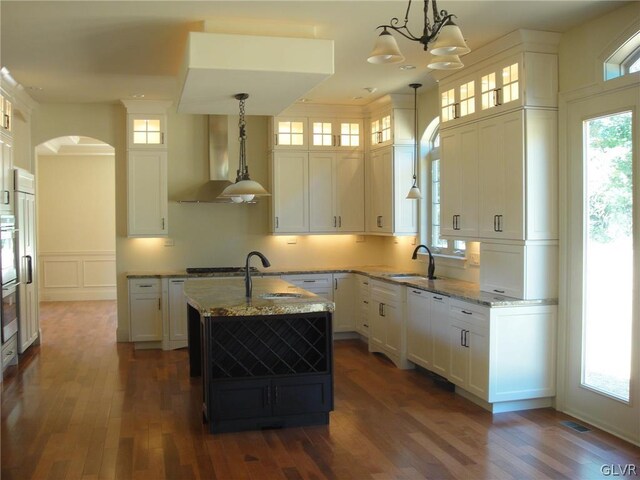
601 383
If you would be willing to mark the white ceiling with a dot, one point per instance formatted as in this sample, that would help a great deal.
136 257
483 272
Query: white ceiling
104 51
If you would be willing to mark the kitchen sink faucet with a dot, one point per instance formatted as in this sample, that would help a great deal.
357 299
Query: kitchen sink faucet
247 272
432 263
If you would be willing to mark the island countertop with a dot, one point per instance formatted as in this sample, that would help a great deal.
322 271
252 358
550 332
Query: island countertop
225 297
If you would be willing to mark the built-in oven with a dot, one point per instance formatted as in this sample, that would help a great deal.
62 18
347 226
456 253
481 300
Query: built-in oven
9 312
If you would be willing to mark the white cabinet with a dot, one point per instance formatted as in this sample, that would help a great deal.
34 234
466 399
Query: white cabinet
361 309
147 193
145 309
289 133
336 192
177 313
344 293
428 330
419 345
499 178
459 182
386 328
146 131
9 352
520 271
469 343
389 212
6 175
392 125
28 317
495 86
6 114
290 200
335 134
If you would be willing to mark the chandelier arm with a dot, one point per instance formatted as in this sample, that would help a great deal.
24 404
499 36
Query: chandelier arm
408 35
427 27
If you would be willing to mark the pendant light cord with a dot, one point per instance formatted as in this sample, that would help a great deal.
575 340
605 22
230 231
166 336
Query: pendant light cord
415 87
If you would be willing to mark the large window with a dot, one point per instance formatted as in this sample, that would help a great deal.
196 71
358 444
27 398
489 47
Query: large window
625 60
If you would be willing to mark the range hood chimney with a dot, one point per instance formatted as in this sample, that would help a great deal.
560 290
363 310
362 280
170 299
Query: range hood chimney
218 164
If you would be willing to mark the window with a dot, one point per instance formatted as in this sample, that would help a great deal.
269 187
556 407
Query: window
431 229
625 60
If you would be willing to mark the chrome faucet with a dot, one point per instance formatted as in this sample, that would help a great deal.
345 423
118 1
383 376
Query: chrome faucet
432 263
247 271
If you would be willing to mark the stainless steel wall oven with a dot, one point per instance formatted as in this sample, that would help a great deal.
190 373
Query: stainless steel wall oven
9 277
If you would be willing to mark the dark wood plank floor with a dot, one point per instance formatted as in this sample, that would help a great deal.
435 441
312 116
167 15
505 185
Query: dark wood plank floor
82 406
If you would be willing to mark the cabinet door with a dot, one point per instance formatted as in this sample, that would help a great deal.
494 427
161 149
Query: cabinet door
362 308
478 368
177 310
304 394
349 177
28 314
147 131
459 363
241 399
392 318
440 344
291 192
377 326
6 179
381 192
343 295
290 133
322 192
459 182
147 193
145 317
501 152
419 343
405 211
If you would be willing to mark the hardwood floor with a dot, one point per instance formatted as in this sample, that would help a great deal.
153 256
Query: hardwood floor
82 406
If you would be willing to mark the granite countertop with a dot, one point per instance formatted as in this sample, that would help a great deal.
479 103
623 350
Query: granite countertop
225 297
459 289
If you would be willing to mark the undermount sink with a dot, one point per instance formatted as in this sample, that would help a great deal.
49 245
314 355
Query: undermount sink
407 278
279 295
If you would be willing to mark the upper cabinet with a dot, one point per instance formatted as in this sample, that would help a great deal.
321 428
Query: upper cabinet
391 121
6 114
289 133
146 131
524 79
335 134
147 191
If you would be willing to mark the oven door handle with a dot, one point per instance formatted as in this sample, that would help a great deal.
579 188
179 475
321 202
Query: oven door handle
29 269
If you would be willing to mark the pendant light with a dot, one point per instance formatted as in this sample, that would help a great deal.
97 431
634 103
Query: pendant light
414 191
244 189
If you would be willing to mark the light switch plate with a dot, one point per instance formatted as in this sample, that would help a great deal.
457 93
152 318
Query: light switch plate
169 242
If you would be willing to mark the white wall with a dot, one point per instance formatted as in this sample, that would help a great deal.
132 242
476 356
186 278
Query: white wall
76 227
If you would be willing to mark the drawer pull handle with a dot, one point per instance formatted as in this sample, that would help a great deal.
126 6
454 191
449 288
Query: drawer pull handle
309 281
467 313
417 292
145 286
498 291
437 298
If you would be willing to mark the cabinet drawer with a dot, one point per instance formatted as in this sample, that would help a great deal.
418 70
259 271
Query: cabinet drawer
470 313
9 351
386 292
145 285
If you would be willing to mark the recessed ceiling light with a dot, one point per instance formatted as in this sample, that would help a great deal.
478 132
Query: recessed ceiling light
304 100
34 88
407 67
356 98
137 95
371 89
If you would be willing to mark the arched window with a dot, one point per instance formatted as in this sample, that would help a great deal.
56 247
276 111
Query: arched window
430 143
625 60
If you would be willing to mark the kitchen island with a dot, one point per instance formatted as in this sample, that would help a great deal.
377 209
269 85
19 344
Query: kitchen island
265 362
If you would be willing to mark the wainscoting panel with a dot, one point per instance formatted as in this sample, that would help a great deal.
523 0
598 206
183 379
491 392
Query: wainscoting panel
68 276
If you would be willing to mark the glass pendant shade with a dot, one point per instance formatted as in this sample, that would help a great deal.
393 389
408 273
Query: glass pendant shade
245 188
385 50
450 41
445 62
414 193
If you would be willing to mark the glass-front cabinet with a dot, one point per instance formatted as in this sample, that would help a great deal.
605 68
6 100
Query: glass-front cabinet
147 131
335 134
290 133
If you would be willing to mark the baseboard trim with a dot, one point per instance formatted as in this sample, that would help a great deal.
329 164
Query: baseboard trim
84 295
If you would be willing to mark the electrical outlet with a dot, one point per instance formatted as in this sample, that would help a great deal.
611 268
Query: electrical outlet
169 242
474 259
292 240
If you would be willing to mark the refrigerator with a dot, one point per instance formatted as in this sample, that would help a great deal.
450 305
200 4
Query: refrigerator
25 214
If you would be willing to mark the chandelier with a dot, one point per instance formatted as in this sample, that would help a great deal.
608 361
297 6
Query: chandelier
444 36
244 189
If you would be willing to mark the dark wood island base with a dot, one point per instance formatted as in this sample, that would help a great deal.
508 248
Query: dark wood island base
262 371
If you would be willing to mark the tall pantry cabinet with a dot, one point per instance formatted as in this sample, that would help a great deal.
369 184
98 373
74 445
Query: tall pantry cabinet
499 161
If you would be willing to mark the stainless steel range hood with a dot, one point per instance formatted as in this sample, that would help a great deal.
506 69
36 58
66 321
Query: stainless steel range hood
218 164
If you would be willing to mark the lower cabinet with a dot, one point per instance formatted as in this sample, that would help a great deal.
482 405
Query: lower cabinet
9 353
428 330
145 309
361 308
318 283
177 320
386 316
344 291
